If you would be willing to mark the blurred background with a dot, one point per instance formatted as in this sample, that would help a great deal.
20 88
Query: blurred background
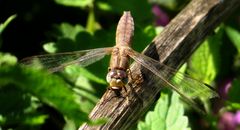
34 99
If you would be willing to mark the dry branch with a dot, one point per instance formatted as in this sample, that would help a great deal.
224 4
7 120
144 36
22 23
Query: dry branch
173 46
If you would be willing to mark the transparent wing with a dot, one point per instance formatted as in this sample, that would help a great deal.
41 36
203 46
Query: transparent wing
187 87
56 62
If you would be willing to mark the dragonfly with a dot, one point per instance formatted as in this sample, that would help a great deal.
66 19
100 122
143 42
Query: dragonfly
118 72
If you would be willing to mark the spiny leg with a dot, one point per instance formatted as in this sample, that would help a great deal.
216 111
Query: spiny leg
131 86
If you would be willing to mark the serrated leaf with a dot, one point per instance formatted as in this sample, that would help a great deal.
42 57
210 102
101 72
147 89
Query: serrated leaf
234 36
205 62
175 118
50 89
167 115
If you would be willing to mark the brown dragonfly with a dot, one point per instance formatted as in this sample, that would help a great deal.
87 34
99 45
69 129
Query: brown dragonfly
118 72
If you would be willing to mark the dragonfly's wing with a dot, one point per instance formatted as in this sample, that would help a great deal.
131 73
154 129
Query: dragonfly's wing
187 87
56 62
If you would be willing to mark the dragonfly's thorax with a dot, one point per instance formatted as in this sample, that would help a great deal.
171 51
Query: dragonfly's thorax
119 59
117 78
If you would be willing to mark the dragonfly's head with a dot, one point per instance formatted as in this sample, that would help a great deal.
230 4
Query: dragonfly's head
117 79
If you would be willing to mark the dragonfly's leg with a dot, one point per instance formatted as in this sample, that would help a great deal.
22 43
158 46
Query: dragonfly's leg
132 94
129 83
124 87
131 86
130 74
127 93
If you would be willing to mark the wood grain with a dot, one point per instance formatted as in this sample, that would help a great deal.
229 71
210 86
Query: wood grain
173 46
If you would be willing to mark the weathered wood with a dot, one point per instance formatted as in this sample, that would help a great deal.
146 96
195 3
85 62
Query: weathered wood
173 46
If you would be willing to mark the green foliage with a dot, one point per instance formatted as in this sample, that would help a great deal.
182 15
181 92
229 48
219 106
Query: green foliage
168 114
5 24
234 91
205 62
49 89
75 3
7 59
30 98
234 36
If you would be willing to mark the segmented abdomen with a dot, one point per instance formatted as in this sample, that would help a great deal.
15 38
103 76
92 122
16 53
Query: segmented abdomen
125 30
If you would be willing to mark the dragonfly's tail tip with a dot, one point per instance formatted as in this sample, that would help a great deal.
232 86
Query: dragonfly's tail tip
127 12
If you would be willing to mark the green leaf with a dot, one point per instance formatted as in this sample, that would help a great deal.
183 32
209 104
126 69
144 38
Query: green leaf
92 25
68 38
18 107
142 37
5 24
76 3
77 70
6 58
168 114
81 78
69 31
182 70
79 39
104 6
232 106
35 119
205 62
48 88
234 36
50 47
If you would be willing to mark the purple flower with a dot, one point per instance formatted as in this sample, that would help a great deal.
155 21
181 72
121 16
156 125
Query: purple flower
161 18
237 117
224 88
229 121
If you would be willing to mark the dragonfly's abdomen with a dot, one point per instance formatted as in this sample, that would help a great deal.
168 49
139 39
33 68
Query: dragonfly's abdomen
125 30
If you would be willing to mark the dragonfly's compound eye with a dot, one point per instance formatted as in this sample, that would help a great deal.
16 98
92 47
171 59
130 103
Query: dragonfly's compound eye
119 77
111 74
123 76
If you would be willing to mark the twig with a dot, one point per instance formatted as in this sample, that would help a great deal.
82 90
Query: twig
173 46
